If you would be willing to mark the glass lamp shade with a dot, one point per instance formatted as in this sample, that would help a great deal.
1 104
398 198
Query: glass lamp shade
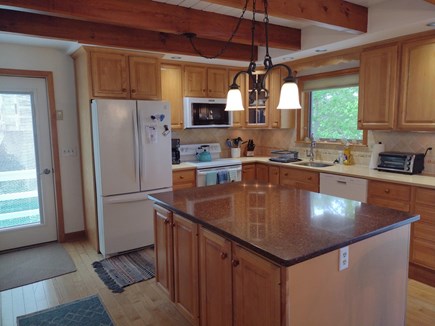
289 98
234 100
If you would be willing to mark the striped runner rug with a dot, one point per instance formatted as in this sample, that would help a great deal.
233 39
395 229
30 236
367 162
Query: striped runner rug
120 271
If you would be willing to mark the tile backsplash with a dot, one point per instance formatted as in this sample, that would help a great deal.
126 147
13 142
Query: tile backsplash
267 140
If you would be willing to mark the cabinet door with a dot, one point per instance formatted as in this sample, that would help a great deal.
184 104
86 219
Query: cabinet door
389 195
299 179
172 91
195 81
256 290
262 172
163 249
417 100
216 280
248 172
184 179
241 81
217 82
378 84
145 81
274 175
186 296
109 75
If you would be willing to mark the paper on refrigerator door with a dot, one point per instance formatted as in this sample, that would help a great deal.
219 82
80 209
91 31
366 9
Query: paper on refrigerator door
151 134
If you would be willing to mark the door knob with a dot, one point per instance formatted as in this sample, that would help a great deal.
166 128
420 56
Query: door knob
46 171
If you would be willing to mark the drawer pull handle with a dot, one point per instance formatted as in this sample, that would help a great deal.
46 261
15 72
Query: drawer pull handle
343 182
286 174
387 191
133 91
235 262
181 177
124 90
224 255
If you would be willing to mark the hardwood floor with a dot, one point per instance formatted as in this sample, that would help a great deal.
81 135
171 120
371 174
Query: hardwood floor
144 303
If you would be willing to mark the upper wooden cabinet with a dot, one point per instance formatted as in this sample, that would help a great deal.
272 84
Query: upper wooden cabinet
119 74
205 82
241 81
417 96
378 82
172 91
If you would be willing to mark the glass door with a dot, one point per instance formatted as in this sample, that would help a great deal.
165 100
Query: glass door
27 203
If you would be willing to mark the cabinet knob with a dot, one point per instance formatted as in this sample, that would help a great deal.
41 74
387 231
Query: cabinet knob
387 191
181 177
224 255
310 178
286 174
124 90
235 262
133 91
166 221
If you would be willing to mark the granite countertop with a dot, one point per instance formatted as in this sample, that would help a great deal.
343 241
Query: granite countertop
286 225
347 170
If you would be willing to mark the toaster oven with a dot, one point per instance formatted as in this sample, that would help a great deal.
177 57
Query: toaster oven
410 163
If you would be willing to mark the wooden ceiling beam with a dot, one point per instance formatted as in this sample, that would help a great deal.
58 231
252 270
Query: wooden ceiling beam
431 1
113 36
333 14
160 17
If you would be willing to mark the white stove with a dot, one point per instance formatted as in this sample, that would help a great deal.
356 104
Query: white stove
218 170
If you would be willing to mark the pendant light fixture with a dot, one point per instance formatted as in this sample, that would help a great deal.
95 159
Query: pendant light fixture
289 96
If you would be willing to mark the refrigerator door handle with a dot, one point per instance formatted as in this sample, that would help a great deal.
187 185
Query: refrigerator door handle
136 146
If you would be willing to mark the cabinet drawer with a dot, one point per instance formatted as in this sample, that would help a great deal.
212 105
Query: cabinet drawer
389 203
289 176
183 179
423 253
425 196
425 232
391 191
427 213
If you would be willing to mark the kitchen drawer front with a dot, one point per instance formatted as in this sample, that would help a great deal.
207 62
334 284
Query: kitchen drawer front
389 203
424 231
425 196
423 253
427 213
392 191
290 176
184 179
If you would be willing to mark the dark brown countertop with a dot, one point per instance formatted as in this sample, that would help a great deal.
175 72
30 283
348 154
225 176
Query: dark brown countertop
284 224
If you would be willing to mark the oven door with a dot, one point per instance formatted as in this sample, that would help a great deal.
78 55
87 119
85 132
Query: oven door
218 175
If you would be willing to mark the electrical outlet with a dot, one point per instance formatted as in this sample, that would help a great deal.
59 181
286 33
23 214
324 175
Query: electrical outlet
344 258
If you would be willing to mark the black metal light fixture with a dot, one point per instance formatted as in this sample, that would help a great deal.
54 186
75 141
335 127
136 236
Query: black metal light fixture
289 97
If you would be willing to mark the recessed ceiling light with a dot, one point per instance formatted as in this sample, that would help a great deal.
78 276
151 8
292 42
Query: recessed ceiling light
321 50
431 24
176 57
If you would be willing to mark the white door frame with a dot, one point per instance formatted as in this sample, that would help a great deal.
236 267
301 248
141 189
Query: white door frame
48 76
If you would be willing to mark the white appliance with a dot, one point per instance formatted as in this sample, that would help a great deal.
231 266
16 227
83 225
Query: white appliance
344 187
132 156
217 165
202 112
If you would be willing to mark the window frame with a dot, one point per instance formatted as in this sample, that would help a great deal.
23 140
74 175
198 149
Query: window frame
303 115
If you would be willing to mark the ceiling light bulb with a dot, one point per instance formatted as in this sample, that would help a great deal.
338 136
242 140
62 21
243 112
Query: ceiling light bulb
289 98
234 100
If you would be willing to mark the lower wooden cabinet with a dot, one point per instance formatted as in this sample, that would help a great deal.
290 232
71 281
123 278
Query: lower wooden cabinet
274 175
300 179
262 172
391 195
184 179
248 172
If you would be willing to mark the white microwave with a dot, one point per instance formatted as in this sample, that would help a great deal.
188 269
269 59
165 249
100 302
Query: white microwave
206 113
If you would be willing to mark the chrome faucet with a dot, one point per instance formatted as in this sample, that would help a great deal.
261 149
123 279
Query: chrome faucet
310 154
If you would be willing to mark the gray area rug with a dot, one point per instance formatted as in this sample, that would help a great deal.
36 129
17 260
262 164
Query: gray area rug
25 266
88 311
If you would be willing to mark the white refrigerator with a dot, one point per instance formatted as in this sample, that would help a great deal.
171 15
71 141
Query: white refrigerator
132 158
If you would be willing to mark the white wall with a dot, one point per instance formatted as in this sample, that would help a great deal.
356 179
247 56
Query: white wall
47 59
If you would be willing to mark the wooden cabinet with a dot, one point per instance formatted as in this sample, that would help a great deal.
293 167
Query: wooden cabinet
256 114
216 279
378 85
248 172
262 172
300 179
184 179
423 233
417 97
186 282
124 75
256 290
205 82
391 195
163 248
172 91
274 175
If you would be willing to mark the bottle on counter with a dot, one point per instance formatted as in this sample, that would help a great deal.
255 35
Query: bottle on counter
347 156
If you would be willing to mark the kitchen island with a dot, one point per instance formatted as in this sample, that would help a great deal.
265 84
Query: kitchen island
256 254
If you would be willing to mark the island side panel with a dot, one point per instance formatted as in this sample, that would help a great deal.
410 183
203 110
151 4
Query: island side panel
372 291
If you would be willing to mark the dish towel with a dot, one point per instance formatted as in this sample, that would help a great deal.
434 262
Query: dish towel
232 175
211 178
222 177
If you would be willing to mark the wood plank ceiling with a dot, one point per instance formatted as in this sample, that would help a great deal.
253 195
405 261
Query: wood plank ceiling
159 25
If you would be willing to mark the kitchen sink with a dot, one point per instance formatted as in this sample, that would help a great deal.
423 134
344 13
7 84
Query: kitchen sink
314 164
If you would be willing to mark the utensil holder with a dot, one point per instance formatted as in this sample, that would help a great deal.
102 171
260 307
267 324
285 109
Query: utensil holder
235 152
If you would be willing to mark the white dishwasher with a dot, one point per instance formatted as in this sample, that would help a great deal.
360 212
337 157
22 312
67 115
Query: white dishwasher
342 186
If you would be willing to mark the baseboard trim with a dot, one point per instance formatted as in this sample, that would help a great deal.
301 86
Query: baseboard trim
73 236
422 274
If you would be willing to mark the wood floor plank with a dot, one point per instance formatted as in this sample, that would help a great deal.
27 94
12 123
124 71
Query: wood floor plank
144 304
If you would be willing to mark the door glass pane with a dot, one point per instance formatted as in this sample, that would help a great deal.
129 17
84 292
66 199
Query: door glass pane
19 200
